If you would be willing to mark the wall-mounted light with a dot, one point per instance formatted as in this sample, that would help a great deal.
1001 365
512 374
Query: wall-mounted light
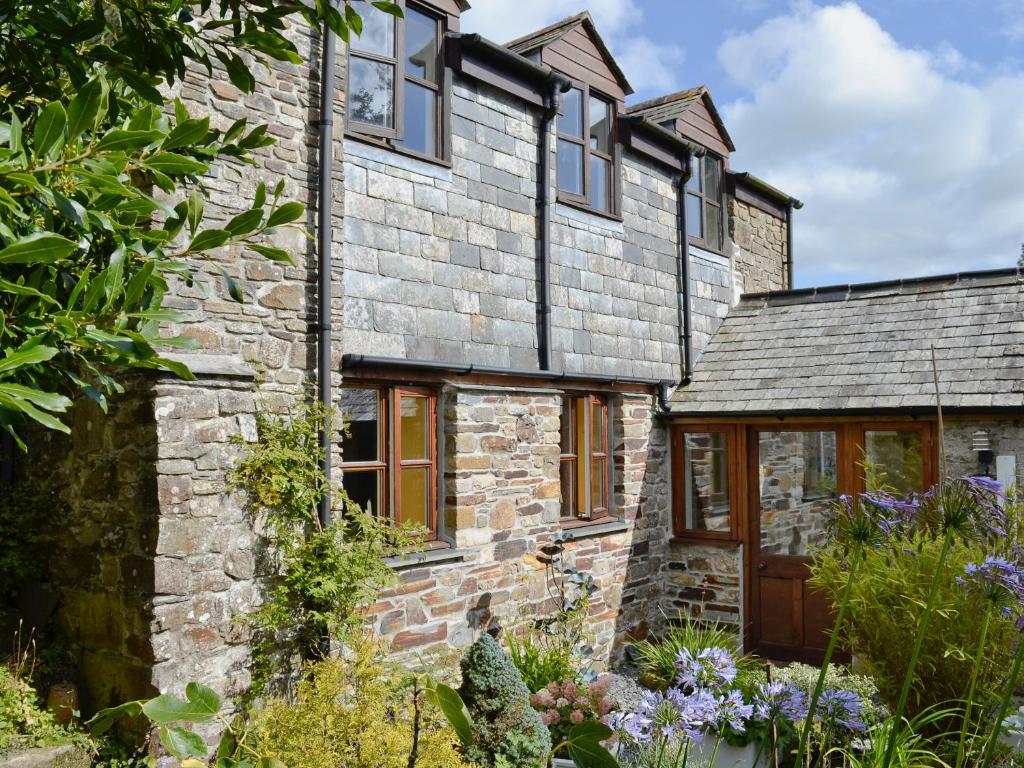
982 445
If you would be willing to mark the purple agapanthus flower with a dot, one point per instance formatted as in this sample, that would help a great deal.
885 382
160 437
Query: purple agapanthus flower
844 708
673 715
733 711
709 668
775 700
996 579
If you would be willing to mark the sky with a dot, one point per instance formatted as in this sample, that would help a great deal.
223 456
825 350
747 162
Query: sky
898 123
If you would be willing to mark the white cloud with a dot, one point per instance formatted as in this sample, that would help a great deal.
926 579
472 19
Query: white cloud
904 169
650 67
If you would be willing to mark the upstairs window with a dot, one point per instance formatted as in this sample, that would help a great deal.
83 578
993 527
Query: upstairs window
394 79
587 167
584 458
389 456
704 209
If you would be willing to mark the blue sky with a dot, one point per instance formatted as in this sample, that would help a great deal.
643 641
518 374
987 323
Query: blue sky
899 123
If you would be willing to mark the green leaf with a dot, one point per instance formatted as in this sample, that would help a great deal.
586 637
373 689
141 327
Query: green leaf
195 211
233 290
84 110
181 743
25 407
6 286
37 248
119 139
187 133
272 253
271 762
207 239
389 7
174 165
166 709
261 196
585 745
100 722
287 213
447 699
14 140
203 697
48 135
245 222
50 401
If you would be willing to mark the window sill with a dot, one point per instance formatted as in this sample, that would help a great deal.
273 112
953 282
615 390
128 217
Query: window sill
380 144
440 554
585 529
577 205
705 540
699 245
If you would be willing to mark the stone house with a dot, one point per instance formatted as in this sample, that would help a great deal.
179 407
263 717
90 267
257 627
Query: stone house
532 321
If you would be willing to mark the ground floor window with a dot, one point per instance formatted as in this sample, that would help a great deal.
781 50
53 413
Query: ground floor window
389 453
584 457
705 482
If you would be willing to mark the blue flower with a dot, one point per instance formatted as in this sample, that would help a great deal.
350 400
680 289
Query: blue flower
775 700
733 711
843 708
710 668
996 579
672 715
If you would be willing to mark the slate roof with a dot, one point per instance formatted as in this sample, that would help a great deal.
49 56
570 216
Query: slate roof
673 105
867 348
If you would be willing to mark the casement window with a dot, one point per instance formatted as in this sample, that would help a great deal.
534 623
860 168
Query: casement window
705 482
389 453
587 163
704 209
584 458
395 77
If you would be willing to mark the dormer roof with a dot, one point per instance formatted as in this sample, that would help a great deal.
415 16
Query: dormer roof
574 47
692 114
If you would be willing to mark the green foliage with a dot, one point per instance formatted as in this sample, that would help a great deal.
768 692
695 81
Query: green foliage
23 723
913 749
506 729
541 661
887 602
322 576
358 712
100 195
656 658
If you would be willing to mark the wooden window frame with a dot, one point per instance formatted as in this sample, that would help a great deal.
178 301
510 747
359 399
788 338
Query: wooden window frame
700 193
390 462
614 156
735 436
388 137
583 460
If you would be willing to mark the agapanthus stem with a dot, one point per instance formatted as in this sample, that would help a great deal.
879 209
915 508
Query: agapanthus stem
829 651
979 657
908 680
1004 706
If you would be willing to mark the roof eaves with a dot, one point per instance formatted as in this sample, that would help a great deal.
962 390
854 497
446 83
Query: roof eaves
763 186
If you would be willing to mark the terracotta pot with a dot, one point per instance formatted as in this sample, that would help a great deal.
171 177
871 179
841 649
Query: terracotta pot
63 702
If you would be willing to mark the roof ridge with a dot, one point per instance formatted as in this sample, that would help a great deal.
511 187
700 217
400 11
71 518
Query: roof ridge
568 21
660 101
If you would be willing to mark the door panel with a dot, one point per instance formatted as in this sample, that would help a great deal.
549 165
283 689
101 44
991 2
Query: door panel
797 481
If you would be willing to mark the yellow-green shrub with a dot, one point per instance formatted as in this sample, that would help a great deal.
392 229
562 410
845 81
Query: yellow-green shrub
356 712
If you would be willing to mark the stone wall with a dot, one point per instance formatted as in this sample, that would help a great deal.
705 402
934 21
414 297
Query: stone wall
704 581
760 255
1005 433
711 296
502 479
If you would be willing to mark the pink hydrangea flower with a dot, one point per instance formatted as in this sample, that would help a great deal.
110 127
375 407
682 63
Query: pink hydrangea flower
561 702
576 716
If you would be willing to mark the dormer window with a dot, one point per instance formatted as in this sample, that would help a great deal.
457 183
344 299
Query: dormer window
587 168
394 80
704 209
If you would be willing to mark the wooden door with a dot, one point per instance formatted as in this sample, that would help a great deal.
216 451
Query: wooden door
796 474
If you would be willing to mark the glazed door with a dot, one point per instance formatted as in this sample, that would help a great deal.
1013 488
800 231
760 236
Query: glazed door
795 477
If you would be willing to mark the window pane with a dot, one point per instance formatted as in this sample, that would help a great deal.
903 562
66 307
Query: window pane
598 473
568 478
372 100
378 34
580 424
415 507
600 125
597 431
897 458
706 482
600 183
570 122
694 183
365 488
797 473
360 408
570 167
712 178
415 429
420 119
420 45
694 220
712 225
567 426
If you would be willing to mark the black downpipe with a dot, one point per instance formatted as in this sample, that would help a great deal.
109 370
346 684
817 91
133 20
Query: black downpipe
324 233
557 85
683 281
789 245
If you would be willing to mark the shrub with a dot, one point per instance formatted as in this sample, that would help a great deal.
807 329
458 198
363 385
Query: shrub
22 722
506 730
355 712
540 661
